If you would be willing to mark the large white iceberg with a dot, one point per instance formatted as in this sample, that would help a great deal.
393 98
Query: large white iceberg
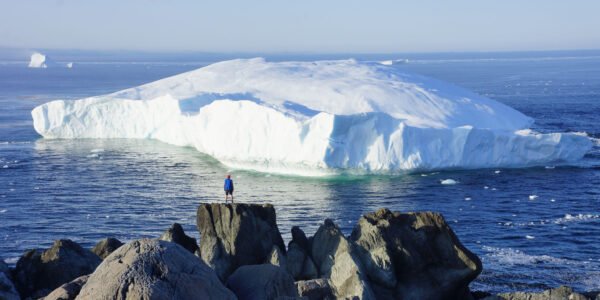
39 60
315 118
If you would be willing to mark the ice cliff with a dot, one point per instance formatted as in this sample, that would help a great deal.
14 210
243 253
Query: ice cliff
314 118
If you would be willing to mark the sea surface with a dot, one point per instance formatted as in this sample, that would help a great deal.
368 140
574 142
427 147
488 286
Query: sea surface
533 228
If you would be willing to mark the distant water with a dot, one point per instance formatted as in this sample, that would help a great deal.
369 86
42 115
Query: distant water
533 228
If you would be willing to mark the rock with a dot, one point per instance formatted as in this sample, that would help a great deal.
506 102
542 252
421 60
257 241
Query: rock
153 269
560 293
299 238
68 291
4 267
234 235
7 288
315 289
38 273
175 234
299 264
261 282
276 258
106 246
420 250
335 259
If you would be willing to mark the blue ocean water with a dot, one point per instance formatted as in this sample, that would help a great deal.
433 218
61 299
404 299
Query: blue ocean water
533 228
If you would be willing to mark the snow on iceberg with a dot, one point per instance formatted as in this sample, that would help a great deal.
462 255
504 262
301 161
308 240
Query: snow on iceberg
315 118
39 60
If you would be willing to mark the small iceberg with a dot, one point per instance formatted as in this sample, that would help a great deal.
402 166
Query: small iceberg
533 197
449 182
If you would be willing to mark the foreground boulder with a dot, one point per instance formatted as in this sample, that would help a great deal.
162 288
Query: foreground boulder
261 282
234 235
414 255
68 291
7 288
153 269
176 234
106 246
38 273
336 260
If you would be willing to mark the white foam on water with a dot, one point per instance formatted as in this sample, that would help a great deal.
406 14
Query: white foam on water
497 172
97 150
94 155
533 197
530 237
467 198
3 211
576 218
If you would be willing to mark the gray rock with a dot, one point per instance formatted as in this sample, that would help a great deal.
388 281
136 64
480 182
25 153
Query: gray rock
300 239
560 293
234 235
276 258
106 246
7 288
315 289
38 273
299 264
335 259
428 260
4 267
176 234
153 269
68 291
260 282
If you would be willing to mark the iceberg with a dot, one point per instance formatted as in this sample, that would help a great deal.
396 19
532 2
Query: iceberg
39 60
316 118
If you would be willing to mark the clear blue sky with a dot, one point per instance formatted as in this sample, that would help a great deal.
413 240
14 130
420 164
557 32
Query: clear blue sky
301 26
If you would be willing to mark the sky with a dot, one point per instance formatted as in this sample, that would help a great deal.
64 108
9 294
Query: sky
324 26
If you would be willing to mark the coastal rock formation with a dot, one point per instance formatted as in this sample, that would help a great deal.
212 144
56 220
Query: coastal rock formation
315 289
277 258
106 246
37 273
176 234
299 263
68 291
414 255
261 282
336 260
234 235
153 269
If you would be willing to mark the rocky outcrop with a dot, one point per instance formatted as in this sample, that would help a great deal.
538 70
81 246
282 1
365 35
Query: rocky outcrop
315 289
336 260
414 255
234 235
153 269
106 246
68 291
300 265
176 234
276 258
261 282
38 273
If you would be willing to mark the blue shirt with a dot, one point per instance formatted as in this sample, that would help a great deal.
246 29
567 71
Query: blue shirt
228 185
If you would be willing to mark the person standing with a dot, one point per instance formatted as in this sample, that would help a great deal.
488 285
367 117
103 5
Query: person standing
228 187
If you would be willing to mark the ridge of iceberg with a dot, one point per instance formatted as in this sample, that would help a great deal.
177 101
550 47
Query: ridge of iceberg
315 118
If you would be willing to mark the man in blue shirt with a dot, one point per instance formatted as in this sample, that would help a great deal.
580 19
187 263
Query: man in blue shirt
228 188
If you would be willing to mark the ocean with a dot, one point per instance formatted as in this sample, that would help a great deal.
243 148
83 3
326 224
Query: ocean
533 228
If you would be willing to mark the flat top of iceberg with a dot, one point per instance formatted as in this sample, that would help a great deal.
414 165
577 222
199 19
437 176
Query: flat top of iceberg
344 87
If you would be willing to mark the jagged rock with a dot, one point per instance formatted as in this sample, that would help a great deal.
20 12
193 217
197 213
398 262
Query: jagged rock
420 249
335 259
300 239
315 289
7 288
38 273
3 267
233 235
299 264
68 291
153 269
560 293
106 246
276 258
260 282
176 234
